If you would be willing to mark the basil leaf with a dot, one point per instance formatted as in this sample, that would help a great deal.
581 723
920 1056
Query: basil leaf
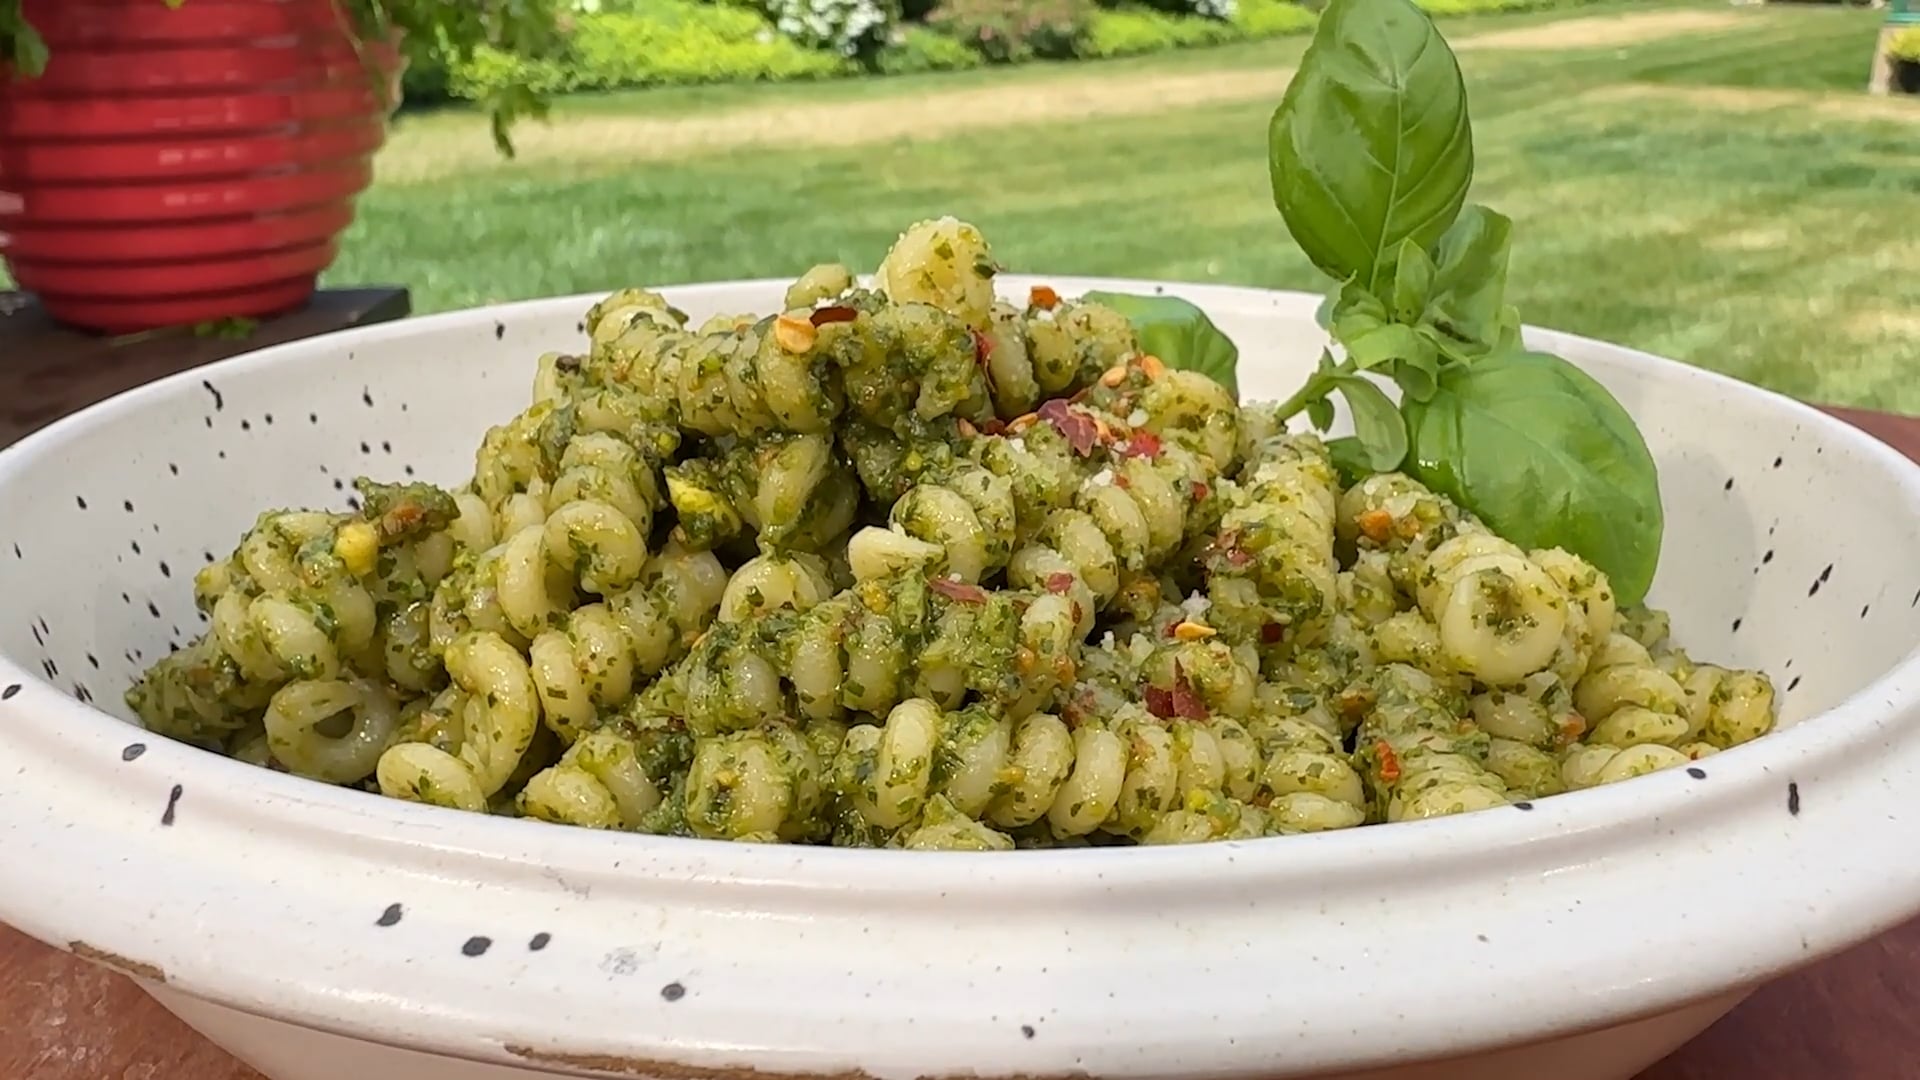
1413 274
1507 329
1320 413
29 51
1349 459
1470 278
1547 458
1371 144
1372 342
1384 344
1324 313
1364 328
1419 373
1376 422
1177 332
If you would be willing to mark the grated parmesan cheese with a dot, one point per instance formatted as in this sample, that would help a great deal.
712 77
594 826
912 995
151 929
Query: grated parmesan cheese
1137 418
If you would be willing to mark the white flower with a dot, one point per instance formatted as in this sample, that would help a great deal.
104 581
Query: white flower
845 26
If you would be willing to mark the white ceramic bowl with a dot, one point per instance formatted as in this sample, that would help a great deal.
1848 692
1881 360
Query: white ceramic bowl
321 933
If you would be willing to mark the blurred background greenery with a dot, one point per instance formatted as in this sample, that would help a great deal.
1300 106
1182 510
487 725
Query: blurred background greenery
1704 180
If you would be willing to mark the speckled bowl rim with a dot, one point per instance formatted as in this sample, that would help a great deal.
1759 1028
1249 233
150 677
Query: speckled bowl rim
1751 784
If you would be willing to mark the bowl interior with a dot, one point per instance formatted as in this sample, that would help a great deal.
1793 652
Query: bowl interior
1789 543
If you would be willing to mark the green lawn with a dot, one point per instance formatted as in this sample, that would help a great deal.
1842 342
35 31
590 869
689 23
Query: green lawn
1718 191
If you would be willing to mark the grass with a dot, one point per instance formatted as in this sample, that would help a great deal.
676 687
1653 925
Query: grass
1716 188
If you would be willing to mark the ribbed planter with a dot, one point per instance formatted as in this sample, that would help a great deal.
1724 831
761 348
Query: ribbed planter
182 165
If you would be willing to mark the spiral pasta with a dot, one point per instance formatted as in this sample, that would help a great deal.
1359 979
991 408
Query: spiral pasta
1107 502
618 776
1528 726
304 596
1121 776
494 711
332 730
761 784
1395 514
1050 349
1271 570
793 492
1499 616
1725 706
874 645
1422 757
944 263
914 564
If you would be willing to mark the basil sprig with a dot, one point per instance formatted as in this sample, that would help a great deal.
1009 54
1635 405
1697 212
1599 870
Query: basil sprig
1371 153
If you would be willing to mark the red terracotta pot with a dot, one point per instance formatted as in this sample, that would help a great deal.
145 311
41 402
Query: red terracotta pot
175 166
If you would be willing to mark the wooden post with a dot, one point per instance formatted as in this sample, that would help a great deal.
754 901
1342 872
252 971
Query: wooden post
1880 80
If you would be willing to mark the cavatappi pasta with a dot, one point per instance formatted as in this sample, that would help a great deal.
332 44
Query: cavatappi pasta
908 565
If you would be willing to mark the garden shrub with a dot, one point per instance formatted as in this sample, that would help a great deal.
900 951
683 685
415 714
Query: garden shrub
1273 18
1012 31
1132 31
1905 45
917 49
641 43
675 42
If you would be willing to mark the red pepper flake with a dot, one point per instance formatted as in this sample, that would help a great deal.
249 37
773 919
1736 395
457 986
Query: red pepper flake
1572 727
1375 525
958 590
837 313
1226 548
1079 708
1200 491
1186 702
1079 429
1389 763
994 426
1143 444
1273 633
1160 702
982 347
1043 297
1059 582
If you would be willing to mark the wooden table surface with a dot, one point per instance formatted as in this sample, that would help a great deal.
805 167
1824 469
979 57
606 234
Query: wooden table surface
1854 1017
48 371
